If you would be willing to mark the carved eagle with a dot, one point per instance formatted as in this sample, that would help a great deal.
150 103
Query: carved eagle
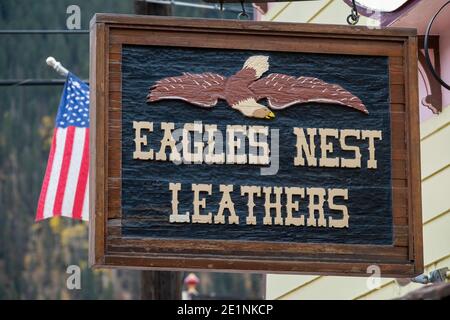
243 90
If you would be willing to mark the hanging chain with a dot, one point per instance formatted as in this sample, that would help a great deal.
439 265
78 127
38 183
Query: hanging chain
221 9
353 17
243 15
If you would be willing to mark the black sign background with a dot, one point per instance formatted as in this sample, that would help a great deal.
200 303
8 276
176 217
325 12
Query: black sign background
146 198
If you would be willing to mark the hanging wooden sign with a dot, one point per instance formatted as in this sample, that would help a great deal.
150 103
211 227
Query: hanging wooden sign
270 147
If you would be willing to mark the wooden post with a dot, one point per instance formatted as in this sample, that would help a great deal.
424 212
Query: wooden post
161 285
154 9
158 285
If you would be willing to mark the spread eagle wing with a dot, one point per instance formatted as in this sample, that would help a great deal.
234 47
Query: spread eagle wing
202 89
283 91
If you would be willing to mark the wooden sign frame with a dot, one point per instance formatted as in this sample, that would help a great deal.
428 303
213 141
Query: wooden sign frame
109 249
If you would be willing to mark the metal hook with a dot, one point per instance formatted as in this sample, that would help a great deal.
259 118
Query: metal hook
353 17
427 53
243 14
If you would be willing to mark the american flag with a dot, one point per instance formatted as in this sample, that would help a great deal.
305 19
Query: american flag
65 190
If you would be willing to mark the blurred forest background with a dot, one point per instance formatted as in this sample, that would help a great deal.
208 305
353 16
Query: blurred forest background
34 256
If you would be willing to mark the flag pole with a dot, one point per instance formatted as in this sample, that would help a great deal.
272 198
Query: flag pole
57 66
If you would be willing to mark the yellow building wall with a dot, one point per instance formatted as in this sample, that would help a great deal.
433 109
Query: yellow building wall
435 149
321 11
435 160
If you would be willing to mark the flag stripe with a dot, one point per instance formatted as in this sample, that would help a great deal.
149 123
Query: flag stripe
82 180
54 176
85 214
41 203
72 179
66 162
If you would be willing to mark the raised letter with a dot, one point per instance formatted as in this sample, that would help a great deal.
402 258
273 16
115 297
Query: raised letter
235 149
356 161
273 205
168 141
258 145
188 156
312 193
175 217
303 146
226 203
215 144
201 203
141 140
371 135
293 205
251 191
342 223
326 147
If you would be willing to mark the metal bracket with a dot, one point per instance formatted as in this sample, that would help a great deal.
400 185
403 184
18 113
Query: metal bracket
427 54
435 276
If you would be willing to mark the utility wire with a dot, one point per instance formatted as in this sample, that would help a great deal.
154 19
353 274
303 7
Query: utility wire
33 82
43 31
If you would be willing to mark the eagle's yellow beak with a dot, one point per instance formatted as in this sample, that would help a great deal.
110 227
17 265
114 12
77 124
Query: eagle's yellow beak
270 116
